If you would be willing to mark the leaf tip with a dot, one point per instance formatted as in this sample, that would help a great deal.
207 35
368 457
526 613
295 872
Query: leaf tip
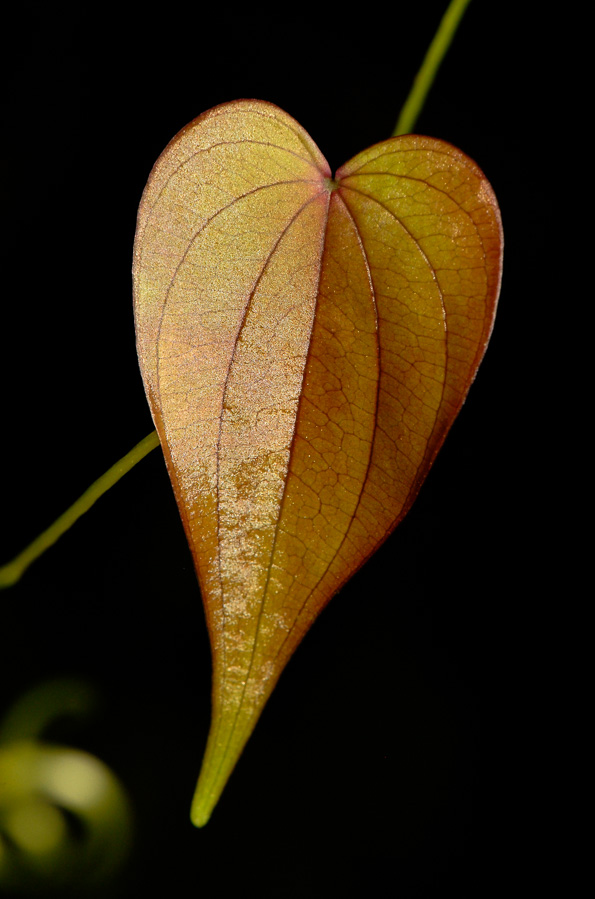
211 781
199 813
207 794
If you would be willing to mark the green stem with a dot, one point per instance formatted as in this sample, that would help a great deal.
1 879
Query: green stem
14 570
426 75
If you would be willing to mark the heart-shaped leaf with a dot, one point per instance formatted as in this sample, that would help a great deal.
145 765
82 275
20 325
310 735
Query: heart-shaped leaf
305 345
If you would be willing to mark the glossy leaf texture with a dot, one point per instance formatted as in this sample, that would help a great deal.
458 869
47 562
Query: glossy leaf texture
305 344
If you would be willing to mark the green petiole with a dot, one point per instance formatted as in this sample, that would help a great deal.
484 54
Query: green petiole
427 73
14 570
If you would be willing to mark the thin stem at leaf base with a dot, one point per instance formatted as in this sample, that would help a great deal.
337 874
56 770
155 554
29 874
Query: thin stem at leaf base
14 570
427 73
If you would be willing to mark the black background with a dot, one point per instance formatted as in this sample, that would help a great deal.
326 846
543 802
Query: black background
397 755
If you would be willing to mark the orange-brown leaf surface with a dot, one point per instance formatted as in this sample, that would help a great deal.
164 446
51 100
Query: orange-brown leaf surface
305 344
